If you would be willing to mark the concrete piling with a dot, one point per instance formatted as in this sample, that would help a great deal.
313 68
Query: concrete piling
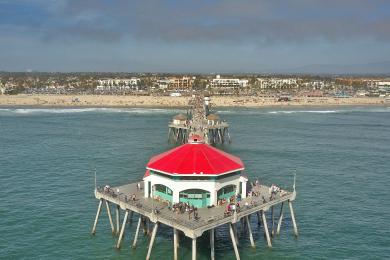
293 218
117 219
110 217
212 248
280 220
250 231
137 231
97 217
234 242
265 225
118 245
152 240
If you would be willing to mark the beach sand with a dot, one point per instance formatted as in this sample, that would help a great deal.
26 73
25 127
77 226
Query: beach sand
167 101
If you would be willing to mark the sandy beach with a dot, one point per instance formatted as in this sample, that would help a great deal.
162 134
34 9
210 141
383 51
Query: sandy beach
167 101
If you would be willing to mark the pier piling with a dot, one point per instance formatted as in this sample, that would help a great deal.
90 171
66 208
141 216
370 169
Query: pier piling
258 218
110 217
265 225
152 240
137 231
194 248
212 248
293 218
280 219
272 221
117 219
97 217
236 233
234 242
118 245
250 231
175 243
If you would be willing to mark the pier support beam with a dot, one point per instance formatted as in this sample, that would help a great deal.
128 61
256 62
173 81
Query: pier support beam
175 243
293 218
212 248
97 217
194 248
258 218
118 245
117 219
144 225
130 219
272 221
137 231
236 233
280 220
250 231
110 217
234 241
152 240
265 225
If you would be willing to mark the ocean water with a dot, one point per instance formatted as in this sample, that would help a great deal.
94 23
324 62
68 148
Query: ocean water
341 157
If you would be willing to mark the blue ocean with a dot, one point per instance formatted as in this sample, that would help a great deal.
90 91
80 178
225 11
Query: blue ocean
48 157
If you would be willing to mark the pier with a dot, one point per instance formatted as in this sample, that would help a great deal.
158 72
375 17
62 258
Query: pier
199 120
195 188
157 212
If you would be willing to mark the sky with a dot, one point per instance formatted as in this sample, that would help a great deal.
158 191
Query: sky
197 36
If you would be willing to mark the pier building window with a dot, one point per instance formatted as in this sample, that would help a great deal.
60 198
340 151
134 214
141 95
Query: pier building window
162 192
195 197
227 192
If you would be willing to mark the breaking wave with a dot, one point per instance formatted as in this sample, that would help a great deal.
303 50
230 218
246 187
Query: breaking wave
302 111
26 111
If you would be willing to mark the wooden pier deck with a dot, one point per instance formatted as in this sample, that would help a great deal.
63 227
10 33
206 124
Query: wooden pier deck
208 218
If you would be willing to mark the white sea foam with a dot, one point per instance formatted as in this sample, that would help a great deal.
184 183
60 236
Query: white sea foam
303 111
86 110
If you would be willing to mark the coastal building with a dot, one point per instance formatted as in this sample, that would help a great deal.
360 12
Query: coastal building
384 86
163 83
111 84
178 83
213 119
179 119
195 173
219 82
277 83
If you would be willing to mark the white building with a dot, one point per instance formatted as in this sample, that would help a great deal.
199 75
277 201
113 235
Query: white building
195 173
163 83
277 83
117 84
228 83
384 86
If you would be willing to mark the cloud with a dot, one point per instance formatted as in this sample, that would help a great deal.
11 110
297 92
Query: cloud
201 21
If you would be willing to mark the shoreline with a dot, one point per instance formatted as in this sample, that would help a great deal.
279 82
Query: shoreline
103 101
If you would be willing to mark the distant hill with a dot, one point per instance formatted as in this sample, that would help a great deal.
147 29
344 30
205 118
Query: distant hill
368 68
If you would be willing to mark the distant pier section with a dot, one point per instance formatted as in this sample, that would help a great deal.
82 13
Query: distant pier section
201 121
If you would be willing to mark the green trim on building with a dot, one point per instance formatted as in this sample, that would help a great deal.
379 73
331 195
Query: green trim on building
227 192
195 197
163 192
195 177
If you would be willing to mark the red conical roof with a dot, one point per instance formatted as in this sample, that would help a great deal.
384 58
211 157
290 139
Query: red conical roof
195 158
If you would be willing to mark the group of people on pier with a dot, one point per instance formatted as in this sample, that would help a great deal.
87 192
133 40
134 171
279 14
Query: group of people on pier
183 207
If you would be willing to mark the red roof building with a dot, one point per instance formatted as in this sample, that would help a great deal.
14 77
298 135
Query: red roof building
195 173
195 159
